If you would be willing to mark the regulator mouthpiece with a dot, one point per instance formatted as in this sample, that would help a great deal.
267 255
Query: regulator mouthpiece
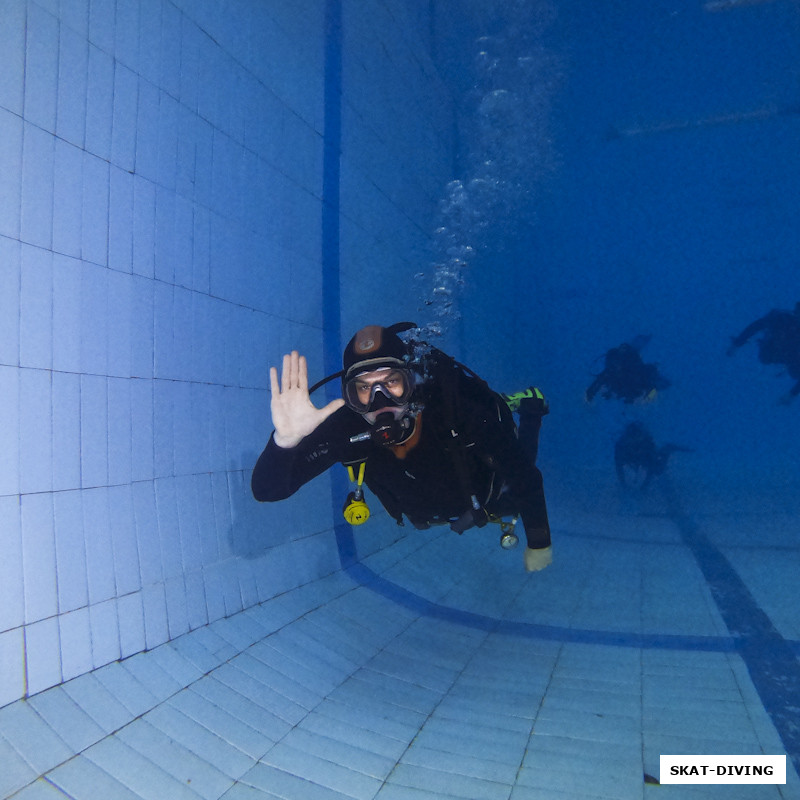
389 429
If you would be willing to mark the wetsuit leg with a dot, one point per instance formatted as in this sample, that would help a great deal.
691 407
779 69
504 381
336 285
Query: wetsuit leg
530 423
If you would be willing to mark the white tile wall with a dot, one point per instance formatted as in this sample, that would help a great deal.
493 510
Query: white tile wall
12 48
41 67
38 557
160 182
104 625
144 210
67 286
76 643
99 549
42 655
101 24
94 209
11 127
120 217
35 431
67 189
131 624
99 102
71 561
155 614
36 207
73 59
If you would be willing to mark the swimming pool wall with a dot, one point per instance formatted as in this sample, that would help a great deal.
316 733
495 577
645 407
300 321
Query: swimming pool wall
163 213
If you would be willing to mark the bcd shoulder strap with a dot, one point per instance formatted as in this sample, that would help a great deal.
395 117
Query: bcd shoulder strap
450 376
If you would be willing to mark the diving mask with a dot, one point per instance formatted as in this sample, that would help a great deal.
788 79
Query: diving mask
384 387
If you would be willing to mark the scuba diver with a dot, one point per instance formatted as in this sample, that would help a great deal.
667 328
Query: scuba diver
636 454
779 343
428 437
626 376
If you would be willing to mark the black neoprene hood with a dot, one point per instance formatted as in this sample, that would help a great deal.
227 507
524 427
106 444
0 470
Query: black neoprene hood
375 346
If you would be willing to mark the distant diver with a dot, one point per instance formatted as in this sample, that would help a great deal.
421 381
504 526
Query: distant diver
637 457
779 343
626 376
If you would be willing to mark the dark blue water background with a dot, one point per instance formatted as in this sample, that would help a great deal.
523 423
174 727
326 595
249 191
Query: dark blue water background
630 169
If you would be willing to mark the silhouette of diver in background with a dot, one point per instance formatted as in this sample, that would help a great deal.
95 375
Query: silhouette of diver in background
626 376
779 343
636 453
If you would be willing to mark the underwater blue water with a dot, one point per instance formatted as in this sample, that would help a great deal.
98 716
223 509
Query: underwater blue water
621 170
649 187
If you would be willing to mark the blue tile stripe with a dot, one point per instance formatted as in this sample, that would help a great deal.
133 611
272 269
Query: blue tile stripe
770 659
370 579
331 179
331 288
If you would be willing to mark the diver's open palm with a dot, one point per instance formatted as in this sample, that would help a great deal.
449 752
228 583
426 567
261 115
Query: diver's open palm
293 414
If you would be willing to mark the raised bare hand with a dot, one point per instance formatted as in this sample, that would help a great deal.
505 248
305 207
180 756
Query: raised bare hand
293 414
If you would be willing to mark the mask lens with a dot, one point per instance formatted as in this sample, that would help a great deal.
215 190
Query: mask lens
363 393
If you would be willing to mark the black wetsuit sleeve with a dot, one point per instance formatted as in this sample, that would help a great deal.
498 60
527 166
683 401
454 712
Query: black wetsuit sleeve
750 330
281 471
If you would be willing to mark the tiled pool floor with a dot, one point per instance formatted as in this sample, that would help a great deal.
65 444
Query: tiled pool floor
436 669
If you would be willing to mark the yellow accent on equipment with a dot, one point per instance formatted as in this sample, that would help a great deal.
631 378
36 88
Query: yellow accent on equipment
355 510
